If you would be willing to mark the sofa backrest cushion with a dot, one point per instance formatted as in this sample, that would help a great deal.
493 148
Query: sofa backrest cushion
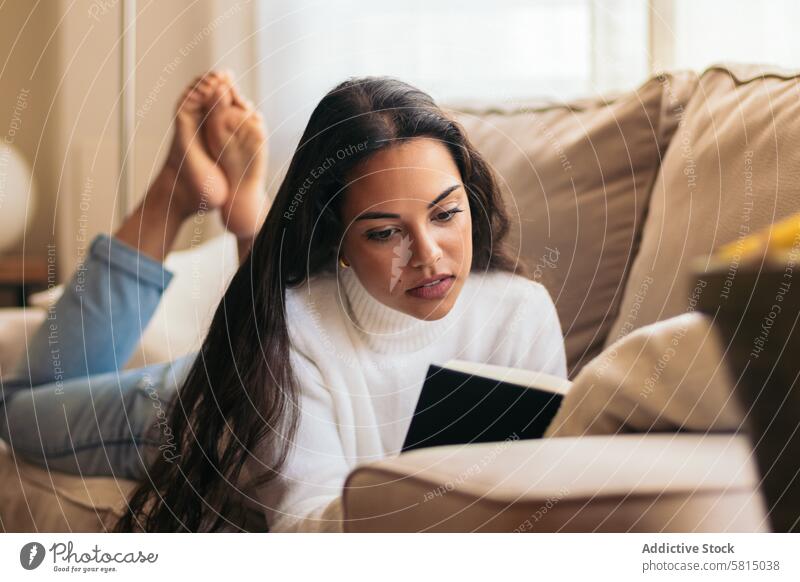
733 167
577 179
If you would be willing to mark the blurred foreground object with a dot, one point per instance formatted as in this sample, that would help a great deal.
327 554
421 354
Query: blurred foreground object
779 241
754 299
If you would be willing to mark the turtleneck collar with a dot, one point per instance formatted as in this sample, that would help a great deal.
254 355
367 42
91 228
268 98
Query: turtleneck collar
386 330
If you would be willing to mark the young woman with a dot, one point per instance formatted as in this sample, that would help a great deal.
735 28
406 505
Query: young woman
383 251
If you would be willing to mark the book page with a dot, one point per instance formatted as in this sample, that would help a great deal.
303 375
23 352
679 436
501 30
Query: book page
518 376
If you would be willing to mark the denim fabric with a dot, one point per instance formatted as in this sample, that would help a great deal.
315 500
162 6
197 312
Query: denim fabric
68 406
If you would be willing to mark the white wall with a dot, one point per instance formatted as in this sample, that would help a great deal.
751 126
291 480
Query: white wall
28 118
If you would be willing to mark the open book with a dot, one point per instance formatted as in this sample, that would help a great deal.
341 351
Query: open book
465 402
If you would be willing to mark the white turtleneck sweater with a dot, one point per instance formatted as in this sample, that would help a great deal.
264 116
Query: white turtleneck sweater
361 366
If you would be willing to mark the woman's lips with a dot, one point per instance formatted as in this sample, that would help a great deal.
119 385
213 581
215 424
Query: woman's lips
435 291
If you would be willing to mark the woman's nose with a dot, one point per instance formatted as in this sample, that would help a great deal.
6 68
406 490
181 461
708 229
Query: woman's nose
425 250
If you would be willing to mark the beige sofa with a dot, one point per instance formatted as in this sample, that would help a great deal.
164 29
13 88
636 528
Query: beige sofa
612 199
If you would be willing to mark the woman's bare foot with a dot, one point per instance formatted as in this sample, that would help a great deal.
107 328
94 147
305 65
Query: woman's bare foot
236 138
217 160
199 183
190 180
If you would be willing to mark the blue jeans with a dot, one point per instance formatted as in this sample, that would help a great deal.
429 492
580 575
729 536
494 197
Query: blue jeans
68 406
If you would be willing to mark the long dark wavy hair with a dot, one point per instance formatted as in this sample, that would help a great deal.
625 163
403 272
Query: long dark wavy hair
241 393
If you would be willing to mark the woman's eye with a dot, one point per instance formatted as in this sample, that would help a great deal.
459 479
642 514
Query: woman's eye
447 214
387 233
381 235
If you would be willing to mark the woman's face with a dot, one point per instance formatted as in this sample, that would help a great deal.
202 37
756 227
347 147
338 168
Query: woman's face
408 229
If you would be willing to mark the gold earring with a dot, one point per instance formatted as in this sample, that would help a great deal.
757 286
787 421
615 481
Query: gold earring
342 263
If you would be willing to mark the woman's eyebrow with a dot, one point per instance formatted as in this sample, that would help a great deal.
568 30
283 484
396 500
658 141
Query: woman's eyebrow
444 195
439 198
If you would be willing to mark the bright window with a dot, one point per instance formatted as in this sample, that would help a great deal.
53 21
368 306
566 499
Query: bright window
455 50
503 51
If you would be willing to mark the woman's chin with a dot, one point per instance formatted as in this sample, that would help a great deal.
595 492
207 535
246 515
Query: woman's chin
429 309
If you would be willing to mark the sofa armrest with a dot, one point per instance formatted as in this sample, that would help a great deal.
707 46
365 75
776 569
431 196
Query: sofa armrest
645 483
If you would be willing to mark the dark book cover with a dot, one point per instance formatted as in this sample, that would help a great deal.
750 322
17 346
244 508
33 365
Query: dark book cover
459 407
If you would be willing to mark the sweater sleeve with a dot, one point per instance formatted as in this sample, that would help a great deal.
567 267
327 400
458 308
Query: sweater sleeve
310 485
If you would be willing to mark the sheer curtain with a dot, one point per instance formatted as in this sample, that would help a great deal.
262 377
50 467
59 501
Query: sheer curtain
502 51
693 34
